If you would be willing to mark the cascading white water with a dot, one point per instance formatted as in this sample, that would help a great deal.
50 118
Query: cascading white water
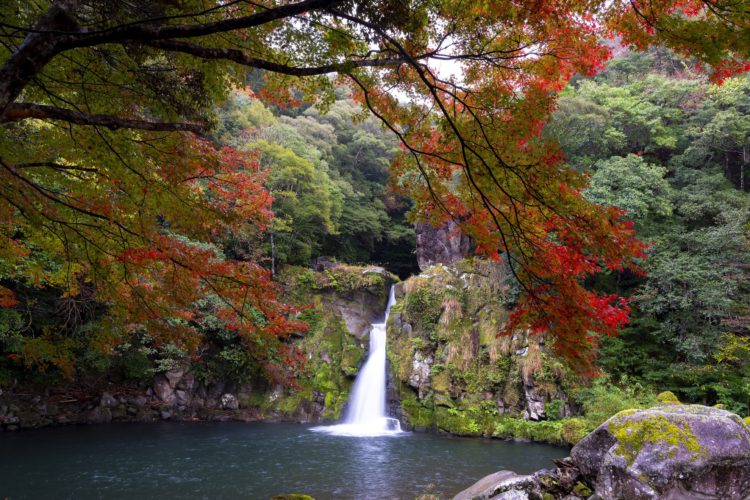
365 414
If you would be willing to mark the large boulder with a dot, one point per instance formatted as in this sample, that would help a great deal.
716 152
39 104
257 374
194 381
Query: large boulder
501 483
671 451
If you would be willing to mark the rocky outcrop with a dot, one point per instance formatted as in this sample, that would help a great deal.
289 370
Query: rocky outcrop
444 244
670 451
487 486
564 482
455 374
358 308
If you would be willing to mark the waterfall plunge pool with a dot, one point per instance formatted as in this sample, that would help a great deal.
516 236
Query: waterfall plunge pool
174 460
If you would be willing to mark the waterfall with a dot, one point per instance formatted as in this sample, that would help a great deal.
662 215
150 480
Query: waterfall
366 413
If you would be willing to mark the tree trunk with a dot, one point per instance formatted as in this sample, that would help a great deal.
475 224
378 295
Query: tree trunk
742 169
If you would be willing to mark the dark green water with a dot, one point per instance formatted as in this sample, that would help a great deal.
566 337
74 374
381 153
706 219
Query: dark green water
247 461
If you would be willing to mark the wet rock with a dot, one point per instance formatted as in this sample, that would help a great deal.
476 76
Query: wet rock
323 263
174 376
670 451
485 487
229 402
503 485
359 308
182 398
119 412
420 373
145 415
376 270
535 400
277 392
187 382
108 401
165 414
164 390
99 415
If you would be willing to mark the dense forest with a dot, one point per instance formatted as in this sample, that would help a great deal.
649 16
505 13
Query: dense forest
656 139
671 149
523 220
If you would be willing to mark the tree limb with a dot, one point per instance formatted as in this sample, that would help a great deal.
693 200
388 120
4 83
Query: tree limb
240 57
138 32
22 111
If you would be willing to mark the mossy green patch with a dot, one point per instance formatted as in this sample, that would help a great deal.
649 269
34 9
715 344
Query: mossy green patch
633 432
581 490
457 422
441 381
667 398
418 415
423 307
542 431
351 357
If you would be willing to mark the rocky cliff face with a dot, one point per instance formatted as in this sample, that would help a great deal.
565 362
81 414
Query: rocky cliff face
440 245
343 301
452 372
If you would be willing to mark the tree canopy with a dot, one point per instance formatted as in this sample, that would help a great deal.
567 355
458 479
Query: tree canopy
683 191
105 168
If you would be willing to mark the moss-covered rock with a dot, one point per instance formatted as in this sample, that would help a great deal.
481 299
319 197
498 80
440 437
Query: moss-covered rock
338 304
670 451
667 398
444 350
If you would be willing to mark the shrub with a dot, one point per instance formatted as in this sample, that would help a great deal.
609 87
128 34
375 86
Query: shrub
553 409
573 430
605 399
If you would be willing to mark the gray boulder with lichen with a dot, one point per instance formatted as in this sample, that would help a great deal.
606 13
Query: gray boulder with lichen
670 451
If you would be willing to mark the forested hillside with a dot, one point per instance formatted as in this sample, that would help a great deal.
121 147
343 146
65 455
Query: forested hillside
328 174
656 139
672 150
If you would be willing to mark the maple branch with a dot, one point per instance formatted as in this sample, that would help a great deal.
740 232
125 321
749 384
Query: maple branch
466 150
240 57
154 31
55 166
56 32
22 111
